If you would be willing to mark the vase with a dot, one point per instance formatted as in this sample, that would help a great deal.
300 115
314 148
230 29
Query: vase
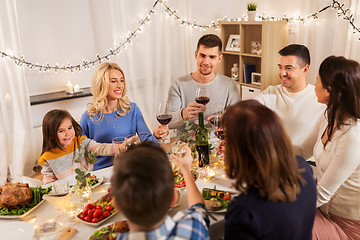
84 195
251 15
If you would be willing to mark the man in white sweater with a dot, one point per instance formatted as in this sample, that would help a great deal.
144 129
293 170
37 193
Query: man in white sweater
294 100
222 90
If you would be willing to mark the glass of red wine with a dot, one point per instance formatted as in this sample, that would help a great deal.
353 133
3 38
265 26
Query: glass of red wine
164 116
202 95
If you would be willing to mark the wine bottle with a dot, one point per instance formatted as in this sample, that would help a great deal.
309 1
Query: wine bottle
202 142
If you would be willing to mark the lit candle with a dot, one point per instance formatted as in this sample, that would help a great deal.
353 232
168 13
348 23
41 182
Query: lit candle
69 87
76 88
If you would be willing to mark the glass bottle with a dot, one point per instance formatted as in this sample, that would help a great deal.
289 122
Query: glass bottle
235 72
202 142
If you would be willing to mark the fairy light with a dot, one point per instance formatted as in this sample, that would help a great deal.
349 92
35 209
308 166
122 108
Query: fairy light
342 12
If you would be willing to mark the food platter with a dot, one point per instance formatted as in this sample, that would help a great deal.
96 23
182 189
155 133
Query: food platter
98 223
179 179
95 214
22 215
100 181
221 196
17 230
103 227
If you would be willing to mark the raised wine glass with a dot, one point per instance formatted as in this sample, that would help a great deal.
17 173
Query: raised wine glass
164 116
202 95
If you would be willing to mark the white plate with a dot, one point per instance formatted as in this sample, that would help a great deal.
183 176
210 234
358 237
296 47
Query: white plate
179 194
17 230
22 215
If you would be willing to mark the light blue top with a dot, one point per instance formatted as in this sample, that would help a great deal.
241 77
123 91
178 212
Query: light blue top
109 128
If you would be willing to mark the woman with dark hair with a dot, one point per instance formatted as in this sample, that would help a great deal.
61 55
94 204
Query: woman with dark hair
335 144
278 191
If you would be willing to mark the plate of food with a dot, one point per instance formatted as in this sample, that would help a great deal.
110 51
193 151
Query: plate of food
109 232
94 181
17 200
94 214
216 200
179 197
179 178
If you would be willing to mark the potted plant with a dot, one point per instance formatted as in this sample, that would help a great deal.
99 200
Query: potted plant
251 7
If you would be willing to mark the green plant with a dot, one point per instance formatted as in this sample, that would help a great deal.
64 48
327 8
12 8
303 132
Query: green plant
189 134
82 173
251 6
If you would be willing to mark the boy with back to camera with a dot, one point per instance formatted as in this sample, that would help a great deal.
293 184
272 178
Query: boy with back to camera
143 188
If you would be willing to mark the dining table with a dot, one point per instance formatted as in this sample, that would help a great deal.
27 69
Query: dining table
48 211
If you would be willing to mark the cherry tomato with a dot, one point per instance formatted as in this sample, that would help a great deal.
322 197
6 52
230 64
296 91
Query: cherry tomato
106 214
98 213
90 206
108 208
109 190
82 216
177 185
86 211
88 219
182 183
227 197
95 220
101 218
91 213
98 207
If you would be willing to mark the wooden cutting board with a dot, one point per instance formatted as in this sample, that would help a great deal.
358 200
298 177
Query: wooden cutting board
67 234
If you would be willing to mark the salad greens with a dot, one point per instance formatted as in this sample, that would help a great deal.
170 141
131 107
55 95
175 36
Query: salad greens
104 233
38 193
221 196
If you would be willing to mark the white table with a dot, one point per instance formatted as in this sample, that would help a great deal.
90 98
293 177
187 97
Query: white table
47 210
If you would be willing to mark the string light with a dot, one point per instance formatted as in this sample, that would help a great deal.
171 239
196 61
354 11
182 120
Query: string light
342 12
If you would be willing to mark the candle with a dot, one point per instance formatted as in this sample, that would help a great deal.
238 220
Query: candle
69 87
76 88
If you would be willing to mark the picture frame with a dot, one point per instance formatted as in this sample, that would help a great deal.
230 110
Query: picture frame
256 78
233 44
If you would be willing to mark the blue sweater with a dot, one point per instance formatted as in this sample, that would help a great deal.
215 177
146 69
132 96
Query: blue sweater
250 216
104 131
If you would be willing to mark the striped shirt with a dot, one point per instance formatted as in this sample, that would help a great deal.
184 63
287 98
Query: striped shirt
190 224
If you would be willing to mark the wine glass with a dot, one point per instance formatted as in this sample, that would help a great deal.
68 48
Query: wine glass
119 144
131 140
202 95
164 116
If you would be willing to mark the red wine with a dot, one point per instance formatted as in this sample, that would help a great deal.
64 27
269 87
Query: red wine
220 134
202 100
164 119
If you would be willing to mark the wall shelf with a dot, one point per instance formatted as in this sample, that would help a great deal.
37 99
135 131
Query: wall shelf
272 36
58 96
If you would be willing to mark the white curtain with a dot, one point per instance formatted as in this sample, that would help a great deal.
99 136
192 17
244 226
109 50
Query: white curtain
156 57
15 120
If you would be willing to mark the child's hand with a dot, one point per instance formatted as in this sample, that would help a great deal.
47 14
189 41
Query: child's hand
184 163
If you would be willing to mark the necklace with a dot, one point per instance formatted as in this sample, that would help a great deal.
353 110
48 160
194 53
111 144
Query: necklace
113 121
